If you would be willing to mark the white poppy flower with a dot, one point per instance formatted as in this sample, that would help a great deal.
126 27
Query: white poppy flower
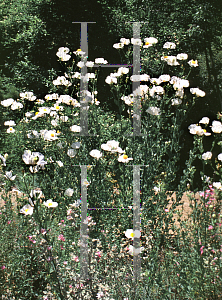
50 135
155 111
195 129
219 157
110 80
71 152
171 60
16 105
69 192
60 163
27 210
197 92
207 155
85 182
7 102
156 81
76 203
45 110
118 45
124 158
150 41
76 75
182 56
164 78
3 160
80 64
156 189
49 203
75 128
96 154
142 77
9 176
28 95
33 158
134 251
131 234
9 123
76 145
89 64
63 56
176 101
216 127
204 120
125 41
193 63
217 185
100 61
36 194
169 45
136 41
79 52
10 130
123 70
112 146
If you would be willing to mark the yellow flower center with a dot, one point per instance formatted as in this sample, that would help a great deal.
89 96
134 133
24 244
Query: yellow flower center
58 131
147 43
193 62
204 130
49 204
57 107
52 134
45 109
36 112
26 210
36 158
125 156
78 50
132 234
10 128
165 56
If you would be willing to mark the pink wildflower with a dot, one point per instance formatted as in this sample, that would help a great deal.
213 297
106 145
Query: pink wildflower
3 267
210 227
201 250
61 238
76 258
9 222
98 253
